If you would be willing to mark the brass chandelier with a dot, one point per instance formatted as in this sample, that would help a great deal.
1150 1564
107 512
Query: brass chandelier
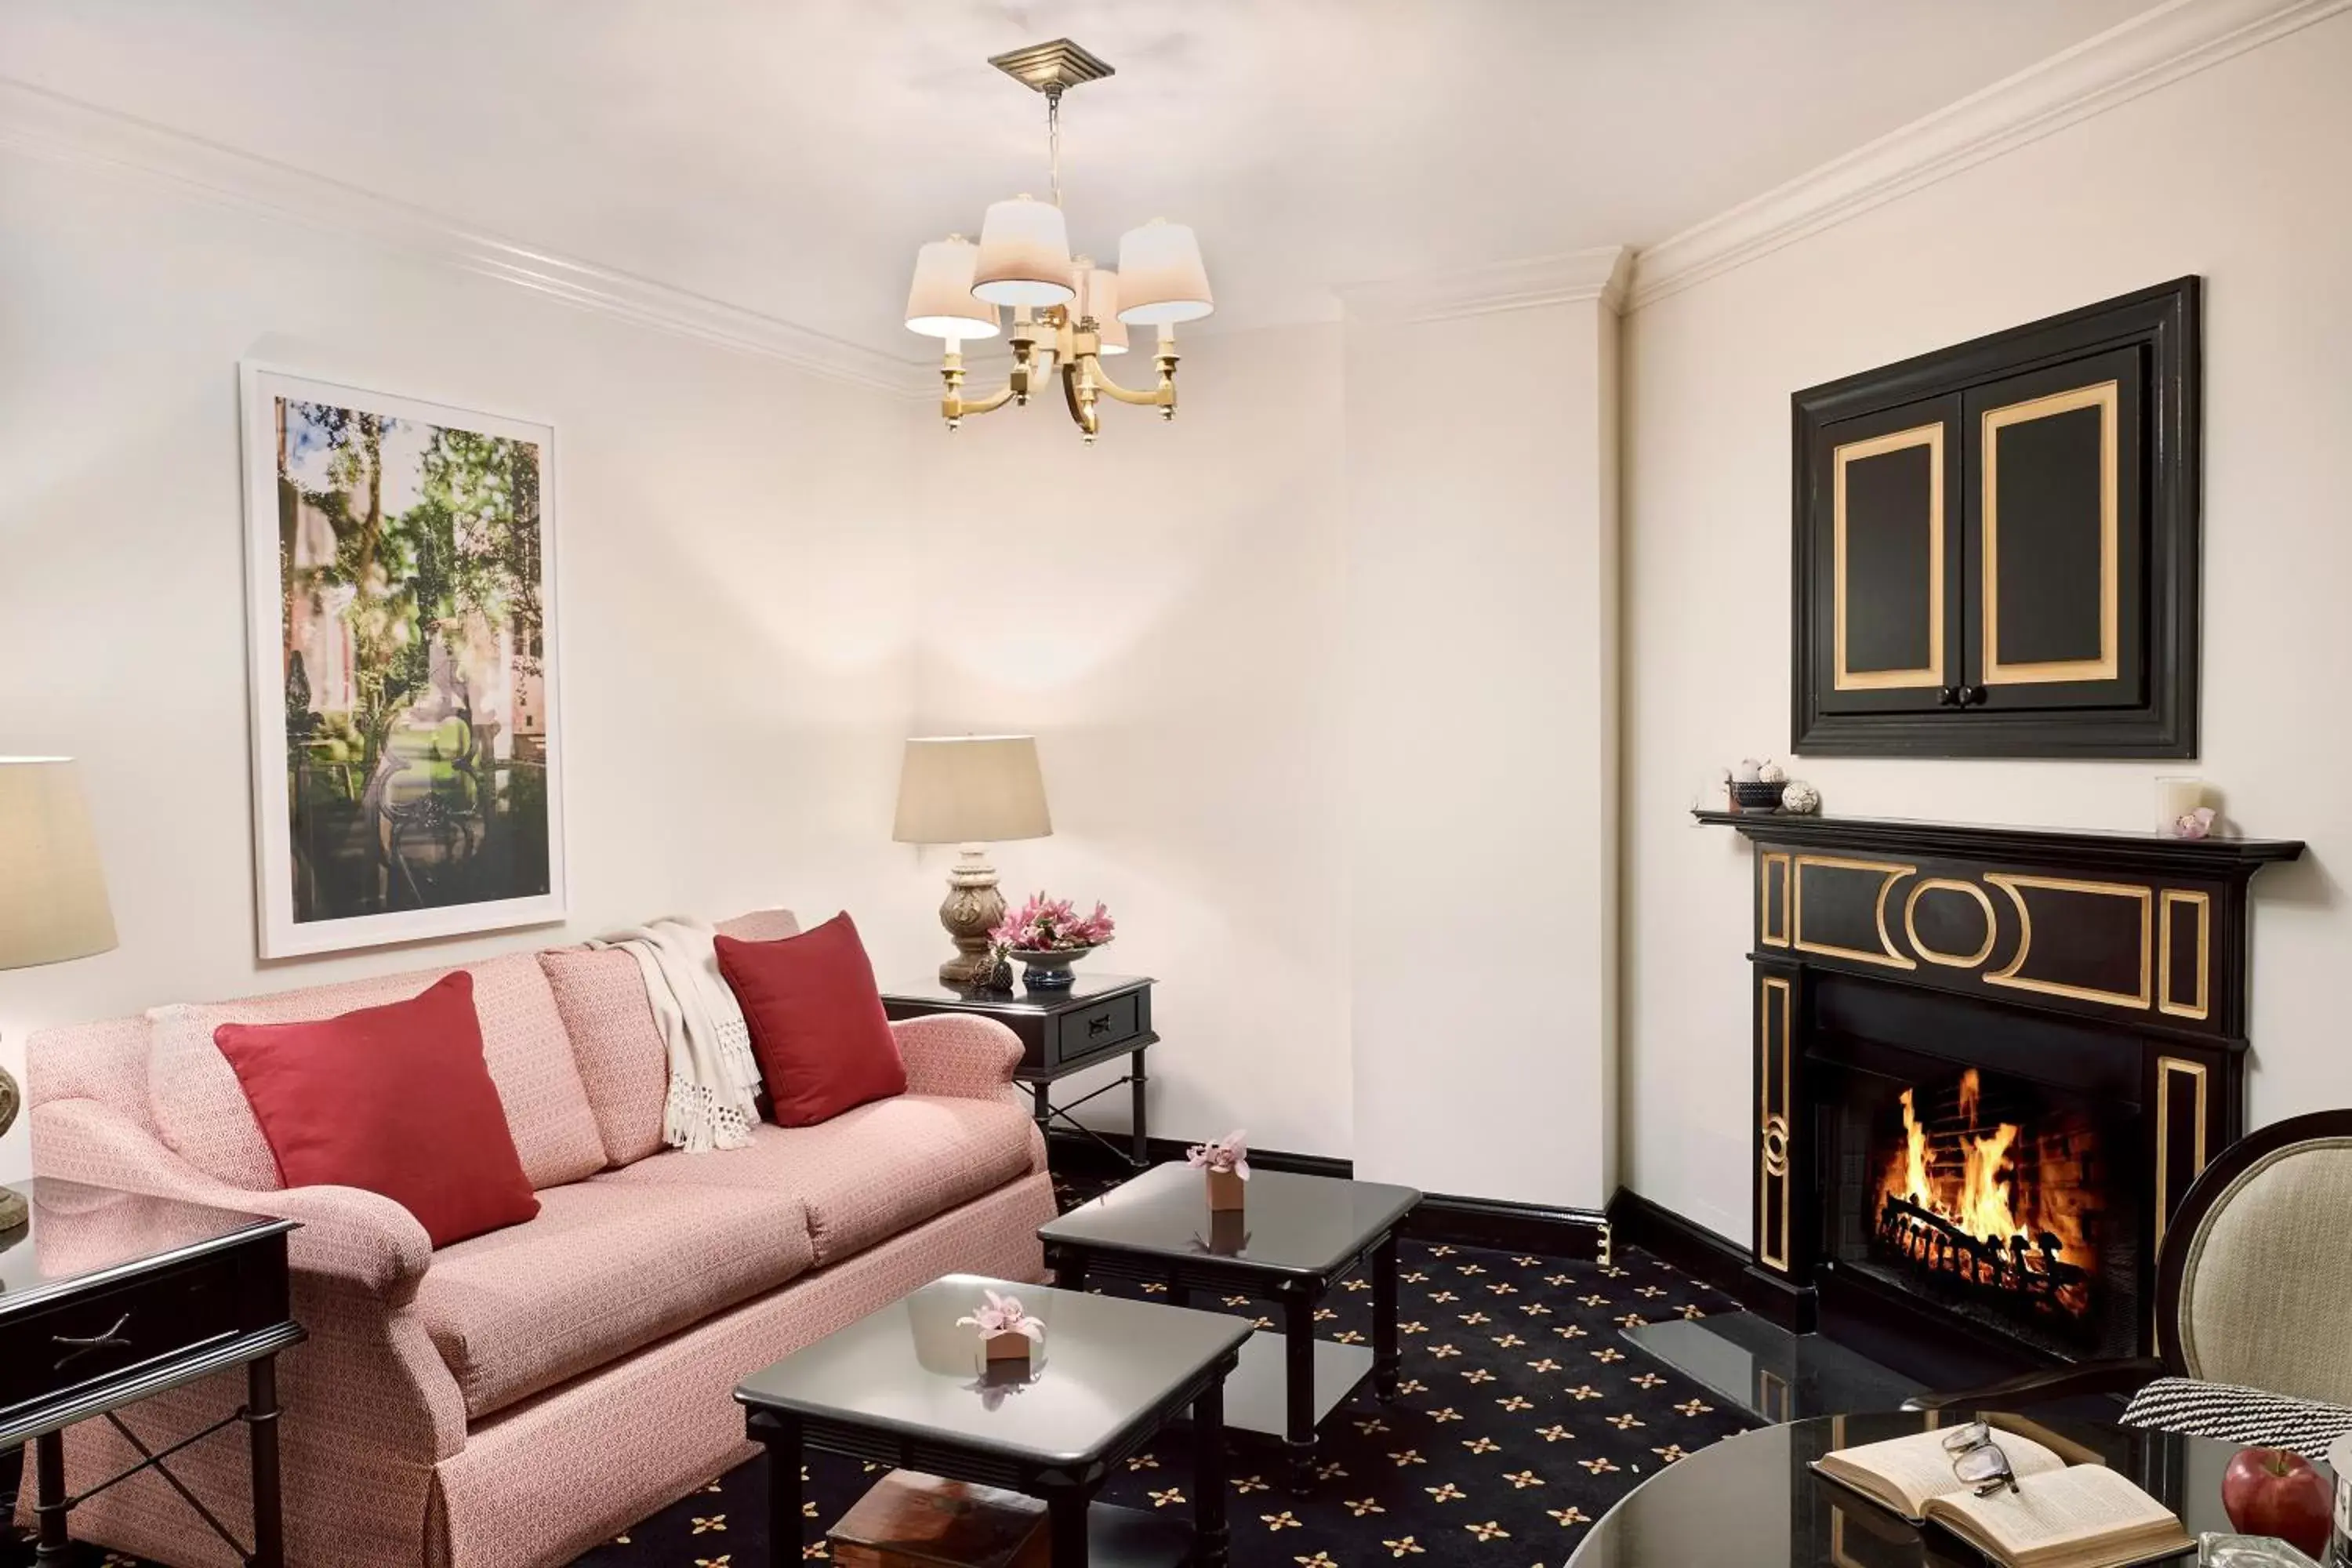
1067 313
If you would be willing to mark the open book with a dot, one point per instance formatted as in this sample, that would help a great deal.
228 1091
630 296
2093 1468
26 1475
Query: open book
2061 1516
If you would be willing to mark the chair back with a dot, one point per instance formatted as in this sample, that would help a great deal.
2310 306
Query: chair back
2255 1278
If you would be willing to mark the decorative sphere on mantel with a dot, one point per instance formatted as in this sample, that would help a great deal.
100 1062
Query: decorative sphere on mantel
1801 797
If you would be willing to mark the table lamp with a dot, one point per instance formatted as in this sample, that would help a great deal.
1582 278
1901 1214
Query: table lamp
52 893
972 790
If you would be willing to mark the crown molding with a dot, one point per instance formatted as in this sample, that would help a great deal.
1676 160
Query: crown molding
48 125
1579 274
2151 51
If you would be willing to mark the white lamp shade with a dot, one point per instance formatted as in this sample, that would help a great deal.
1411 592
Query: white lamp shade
1098 297
970 789
52 892
1161 279
1024 255
940 304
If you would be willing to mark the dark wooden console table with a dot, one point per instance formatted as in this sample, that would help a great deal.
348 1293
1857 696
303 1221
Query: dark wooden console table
107 1298
1098 1020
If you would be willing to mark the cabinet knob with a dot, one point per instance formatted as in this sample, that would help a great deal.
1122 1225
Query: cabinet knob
1972 696
1948 697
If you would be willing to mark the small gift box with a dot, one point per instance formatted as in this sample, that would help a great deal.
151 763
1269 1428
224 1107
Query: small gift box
1007 1333
1227 1162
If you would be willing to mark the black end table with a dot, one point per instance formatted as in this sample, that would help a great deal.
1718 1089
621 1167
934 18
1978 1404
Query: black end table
1750 1502
108 1297
907 1386
1100 1018
1297 1238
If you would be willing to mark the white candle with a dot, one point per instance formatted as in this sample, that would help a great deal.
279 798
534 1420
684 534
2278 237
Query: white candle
2176 798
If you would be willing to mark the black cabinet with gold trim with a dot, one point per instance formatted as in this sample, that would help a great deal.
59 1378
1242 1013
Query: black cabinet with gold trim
1996 544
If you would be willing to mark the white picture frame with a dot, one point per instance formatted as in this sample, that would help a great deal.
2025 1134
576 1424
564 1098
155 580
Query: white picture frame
409 784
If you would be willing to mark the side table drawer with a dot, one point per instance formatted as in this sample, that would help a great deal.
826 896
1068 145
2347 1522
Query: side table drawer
93 1338
1084 1031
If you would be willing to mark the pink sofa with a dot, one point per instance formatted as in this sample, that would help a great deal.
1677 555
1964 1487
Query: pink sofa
519 1397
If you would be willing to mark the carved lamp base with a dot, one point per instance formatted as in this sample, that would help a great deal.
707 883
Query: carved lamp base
971 909
11 1207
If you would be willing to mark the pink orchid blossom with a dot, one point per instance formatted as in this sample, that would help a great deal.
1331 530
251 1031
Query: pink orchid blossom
1002 1315
1229 1153
1051 925
2194 824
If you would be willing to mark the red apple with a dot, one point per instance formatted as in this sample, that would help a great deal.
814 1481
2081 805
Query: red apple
2269 1491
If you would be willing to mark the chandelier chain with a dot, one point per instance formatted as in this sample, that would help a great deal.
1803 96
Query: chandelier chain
1054 138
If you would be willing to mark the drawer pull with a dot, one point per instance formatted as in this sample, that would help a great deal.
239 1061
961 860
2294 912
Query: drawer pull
1099 1025
77 1348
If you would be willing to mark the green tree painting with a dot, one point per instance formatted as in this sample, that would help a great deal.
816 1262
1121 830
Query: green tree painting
412 621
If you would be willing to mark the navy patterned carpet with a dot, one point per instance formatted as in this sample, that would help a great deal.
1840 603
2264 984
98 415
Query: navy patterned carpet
1522 1417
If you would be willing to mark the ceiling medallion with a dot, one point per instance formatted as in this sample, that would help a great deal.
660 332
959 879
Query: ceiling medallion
1066 312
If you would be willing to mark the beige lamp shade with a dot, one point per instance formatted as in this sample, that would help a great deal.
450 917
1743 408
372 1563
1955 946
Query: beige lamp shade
1161 279
1024 255
52 893
970 789
941 305
1098 297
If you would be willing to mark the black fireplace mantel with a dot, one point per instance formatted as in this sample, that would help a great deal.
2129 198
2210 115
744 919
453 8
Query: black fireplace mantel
2084 848
2132 946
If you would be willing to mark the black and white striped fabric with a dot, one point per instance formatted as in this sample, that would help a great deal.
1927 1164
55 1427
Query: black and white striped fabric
2239 1416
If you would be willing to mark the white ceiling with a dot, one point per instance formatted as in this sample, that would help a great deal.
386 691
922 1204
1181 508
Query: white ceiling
788 157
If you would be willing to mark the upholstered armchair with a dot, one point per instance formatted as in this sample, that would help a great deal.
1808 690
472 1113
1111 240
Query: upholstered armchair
2253 1303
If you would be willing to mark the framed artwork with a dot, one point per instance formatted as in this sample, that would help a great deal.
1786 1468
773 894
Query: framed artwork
400 590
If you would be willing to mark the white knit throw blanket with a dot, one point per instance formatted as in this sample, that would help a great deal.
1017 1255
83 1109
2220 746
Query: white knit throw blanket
714 1078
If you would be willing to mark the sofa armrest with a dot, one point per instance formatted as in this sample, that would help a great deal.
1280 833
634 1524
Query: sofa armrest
358 1239
956 1054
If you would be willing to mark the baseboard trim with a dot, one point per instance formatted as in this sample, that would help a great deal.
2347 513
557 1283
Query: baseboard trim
1565 1232
1635 1221
1075 1154
1576 1235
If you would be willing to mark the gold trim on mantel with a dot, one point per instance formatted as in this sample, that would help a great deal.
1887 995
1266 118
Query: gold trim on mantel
2165 1002
1952 960
1766 903
2012 883
1890 870
1772 1124
2166 1066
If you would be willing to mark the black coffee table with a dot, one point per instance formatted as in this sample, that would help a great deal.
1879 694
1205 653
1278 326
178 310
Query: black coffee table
1297 1238
1750 1502
907 1386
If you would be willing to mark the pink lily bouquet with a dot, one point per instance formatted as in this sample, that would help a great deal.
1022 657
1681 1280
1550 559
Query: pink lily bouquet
1227 1162
1051 925
1006 1330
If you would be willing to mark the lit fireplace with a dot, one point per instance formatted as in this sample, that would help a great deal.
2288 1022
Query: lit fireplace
1996 1204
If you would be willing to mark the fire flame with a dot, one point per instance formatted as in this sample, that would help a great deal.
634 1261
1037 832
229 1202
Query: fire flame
2016 1220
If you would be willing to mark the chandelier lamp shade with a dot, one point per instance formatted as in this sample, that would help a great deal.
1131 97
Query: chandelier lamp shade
1068 315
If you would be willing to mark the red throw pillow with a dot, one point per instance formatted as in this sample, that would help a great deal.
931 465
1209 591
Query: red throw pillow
816 1020
396 1100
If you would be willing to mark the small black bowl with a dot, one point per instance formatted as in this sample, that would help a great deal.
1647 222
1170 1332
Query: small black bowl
1757 796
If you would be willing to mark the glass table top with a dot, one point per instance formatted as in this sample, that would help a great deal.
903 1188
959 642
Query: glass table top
1750 1502
1288 1223
1105 1365
77 1235
1084 987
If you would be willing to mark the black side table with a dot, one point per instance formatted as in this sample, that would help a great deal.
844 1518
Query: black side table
1295 1239
110 1297
1096 1020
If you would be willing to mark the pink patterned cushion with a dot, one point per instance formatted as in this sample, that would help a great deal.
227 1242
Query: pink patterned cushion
869 1174
201 1115
761 925
624 1065
607 1267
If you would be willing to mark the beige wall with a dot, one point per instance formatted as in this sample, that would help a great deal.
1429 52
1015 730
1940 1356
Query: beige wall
734 580
1482 765
2237 174
1163 611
